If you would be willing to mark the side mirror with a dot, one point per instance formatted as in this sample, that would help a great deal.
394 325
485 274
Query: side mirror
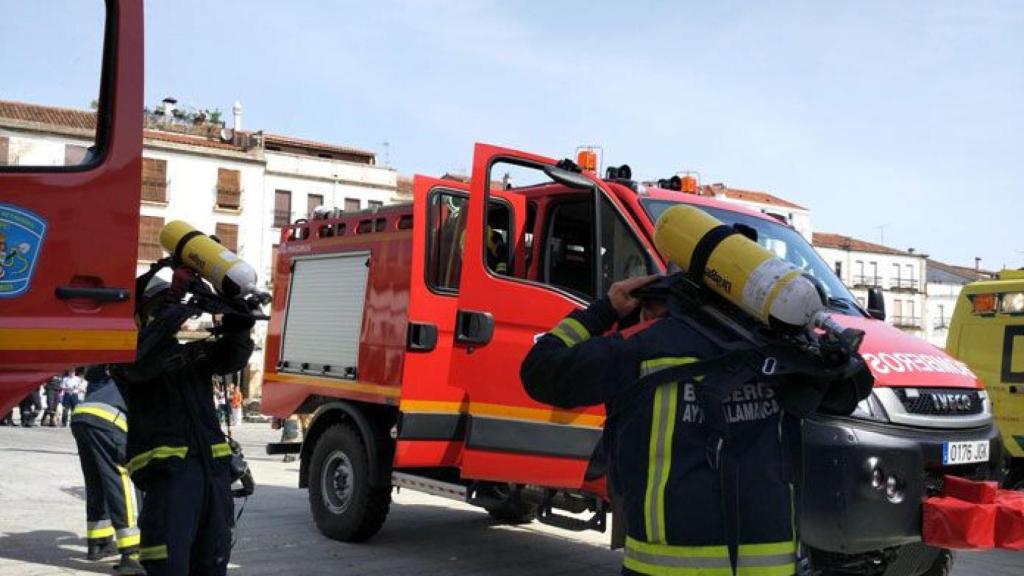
876 303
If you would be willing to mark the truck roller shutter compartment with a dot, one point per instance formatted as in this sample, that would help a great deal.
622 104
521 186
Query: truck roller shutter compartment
325 315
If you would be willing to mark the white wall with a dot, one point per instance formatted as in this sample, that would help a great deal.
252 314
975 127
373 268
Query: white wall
942 299
900 300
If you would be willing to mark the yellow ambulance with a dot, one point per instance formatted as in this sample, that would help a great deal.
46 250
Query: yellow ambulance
987 333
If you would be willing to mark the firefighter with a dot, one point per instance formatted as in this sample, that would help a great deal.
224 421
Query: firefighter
100 425
696 502
177 453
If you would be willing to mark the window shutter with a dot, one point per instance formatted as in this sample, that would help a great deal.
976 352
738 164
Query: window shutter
5 145
375 204
229 188
154 180
282 208
149 238
313 201
228 234
351 204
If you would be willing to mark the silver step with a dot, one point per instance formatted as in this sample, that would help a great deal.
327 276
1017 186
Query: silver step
429 486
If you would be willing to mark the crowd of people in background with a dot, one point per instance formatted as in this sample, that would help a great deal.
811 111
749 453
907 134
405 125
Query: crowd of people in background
52 404
55 400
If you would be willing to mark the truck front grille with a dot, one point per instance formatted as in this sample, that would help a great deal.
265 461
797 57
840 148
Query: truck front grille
940 401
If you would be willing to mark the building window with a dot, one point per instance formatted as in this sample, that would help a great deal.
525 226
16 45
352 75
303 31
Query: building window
228 234
154 180
839 270
149 238
941 321
229 189
74 154
313 201
874 280
375 204
5 147
282 208
351 204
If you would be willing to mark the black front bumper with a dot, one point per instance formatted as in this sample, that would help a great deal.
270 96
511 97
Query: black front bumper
840 510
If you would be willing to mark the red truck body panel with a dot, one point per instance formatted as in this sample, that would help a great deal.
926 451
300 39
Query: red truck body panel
90 218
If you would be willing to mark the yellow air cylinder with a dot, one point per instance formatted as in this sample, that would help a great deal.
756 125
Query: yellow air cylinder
738 269
228 273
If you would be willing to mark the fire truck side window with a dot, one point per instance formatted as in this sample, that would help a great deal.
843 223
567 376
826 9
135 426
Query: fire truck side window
569 248
498 250
447 226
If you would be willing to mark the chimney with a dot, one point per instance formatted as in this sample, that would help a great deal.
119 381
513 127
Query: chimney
169 104
977 263
910 250
236 110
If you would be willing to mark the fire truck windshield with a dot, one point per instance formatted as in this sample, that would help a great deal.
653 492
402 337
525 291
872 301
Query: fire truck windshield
780 240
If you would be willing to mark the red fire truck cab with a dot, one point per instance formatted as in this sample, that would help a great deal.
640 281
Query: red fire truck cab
402 332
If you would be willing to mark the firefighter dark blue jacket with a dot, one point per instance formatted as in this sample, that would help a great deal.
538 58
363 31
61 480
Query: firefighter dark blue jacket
168 391
664 460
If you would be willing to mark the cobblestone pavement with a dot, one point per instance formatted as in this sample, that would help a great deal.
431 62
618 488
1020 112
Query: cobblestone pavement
42 523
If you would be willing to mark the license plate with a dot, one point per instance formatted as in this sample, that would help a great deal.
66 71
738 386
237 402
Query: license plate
964 452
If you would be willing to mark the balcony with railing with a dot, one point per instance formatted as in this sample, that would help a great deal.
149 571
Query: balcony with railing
862 281
903 284
906 321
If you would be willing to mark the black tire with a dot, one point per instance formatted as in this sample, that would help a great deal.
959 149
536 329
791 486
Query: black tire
943 565
344 505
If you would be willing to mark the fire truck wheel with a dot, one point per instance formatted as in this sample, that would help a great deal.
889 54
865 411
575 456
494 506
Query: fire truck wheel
345 507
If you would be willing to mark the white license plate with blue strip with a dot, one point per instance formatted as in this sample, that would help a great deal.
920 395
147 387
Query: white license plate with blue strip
965 452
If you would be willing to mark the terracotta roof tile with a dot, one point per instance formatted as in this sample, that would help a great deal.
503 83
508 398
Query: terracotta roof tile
840 242
52 115
303 143
748 195
962 271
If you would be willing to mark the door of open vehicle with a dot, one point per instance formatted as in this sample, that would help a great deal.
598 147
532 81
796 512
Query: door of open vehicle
69 213
434 411
509 436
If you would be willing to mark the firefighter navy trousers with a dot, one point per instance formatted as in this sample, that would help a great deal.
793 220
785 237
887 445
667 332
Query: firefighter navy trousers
187 519
110 497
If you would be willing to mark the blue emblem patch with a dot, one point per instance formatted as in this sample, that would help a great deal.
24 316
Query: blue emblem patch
21 236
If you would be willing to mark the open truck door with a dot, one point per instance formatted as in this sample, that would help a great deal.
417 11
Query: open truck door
434 409
510 437
69 204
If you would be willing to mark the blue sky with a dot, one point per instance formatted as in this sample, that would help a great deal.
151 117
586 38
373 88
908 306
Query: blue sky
904 115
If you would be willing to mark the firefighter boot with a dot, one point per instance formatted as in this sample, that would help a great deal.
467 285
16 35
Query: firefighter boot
129 564
100 548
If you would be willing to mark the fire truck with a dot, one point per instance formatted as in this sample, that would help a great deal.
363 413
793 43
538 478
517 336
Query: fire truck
401 331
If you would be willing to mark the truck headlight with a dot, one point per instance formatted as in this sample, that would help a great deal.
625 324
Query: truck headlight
870 409
1012 303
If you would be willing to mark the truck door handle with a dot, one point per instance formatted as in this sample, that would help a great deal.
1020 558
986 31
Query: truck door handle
422 336
98 294
473 327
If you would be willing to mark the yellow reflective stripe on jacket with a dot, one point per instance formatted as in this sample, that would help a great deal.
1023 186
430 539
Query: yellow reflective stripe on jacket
648 367
667 560
153 553
767 559
659 459
220 450
571 331
104 411
140 461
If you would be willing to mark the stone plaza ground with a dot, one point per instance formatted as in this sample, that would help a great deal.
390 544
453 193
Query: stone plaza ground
42 526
